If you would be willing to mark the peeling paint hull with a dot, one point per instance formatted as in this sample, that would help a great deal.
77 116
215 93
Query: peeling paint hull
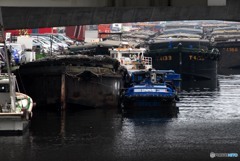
84 85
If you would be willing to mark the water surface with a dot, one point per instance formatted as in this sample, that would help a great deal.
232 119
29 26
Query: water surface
207 119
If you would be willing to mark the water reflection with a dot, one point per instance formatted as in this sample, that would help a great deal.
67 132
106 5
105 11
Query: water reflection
15 147
193 85
161 113
211 99
206 119
142 131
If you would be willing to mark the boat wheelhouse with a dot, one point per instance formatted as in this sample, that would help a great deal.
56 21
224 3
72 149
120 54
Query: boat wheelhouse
15 107
132 59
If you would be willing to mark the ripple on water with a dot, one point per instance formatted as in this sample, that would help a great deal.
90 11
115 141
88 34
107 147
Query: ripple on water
220 102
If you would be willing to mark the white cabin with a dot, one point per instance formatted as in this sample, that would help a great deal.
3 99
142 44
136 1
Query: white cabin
132 59
7 93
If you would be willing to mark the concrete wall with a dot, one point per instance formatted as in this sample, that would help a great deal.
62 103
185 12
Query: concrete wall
105 3
189 3
54 3
34 17
217 2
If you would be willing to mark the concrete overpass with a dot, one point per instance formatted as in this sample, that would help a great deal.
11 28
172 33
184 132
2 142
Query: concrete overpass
48 13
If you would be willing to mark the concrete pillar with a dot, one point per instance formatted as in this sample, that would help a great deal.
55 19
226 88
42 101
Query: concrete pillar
155 3
217 2
183 3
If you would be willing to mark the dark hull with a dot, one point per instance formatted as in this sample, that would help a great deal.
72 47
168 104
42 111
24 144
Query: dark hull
195 66
94 92
190 85
171 111
229 62
142 103
71 82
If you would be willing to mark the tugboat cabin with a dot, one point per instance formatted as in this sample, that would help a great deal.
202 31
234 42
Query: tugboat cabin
131 58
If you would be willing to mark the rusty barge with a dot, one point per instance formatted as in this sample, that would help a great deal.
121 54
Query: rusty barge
72 79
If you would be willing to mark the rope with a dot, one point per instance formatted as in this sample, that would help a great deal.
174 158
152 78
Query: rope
176 49
21 82
17 86
75 75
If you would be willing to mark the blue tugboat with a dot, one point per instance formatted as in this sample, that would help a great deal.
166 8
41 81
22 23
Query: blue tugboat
151 89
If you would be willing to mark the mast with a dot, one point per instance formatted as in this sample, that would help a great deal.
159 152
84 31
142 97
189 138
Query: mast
2 39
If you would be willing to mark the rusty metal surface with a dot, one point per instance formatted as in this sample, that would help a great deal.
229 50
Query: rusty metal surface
93 91
93 84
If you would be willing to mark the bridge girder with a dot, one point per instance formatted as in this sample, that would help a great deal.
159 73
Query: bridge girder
35 17
108 3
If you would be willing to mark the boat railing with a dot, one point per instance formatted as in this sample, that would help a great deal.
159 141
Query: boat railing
148 60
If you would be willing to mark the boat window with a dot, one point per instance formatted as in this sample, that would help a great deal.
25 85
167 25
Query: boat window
126 55
138 78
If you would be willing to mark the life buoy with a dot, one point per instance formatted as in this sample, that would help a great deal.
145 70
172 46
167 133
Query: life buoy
214 55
